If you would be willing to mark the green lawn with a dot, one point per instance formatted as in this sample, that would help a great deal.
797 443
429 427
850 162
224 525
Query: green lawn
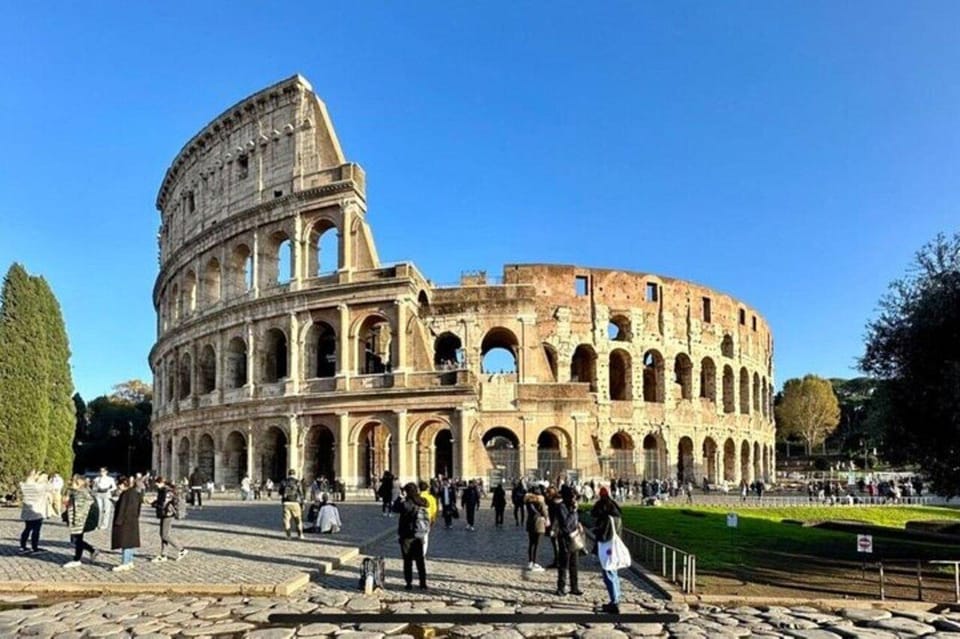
889 516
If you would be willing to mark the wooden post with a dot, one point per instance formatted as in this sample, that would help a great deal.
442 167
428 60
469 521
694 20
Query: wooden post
956 580
882 594
919 582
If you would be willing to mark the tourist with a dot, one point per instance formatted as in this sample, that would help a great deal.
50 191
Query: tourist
56 494
385 493
499 504
103 487
448 503
553 502
291 499
268 486
411 547
82 518
126 523
246 490
606 523
516 496
566 523
197 481
470 500
211 487
167 505
328 517
35 505
536 525
743 490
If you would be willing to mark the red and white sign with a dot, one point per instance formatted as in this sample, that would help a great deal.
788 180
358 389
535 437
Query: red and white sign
865 543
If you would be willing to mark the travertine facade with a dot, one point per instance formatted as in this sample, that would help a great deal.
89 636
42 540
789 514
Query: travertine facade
283 341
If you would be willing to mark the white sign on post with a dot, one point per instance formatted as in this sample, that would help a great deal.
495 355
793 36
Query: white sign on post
865 543
732 520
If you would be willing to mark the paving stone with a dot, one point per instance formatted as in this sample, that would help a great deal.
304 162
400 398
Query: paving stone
387 628
104 630
865 614
903 626
469 632
546 629
363 604
812 633
601 633
856 632
317 629
270 633
642 629
359 634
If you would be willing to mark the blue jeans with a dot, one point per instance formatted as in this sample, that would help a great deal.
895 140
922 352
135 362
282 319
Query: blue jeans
126 555
612 581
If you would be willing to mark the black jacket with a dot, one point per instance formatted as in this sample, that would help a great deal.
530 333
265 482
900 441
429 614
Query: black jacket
499 497
406 526
606 519
470 497
126 520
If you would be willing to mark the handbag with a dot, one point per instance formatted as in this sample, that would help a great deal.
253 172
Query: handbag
614 554
576 539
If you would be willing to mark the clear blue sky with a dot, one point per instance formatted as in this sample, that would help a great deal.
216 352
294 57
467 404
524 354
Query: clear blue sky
795 155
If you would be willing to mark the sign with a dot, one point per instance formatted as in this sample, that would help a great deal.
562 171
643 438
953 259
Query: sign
732 520
865 543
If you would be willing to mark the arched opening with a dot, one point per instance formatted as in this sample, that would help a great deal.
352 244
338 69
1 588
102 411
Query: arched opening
376 340
622 458
205 460
583 366
685 469
621 369
503 449
374 452
183 458
708 379
273 455
618 329
172 375
274 356
234 459
168 460
240 270
756 393
729 461
552 453
190 291
211 282
176 304
236 363
443 454
498 351
710 459
447 352
729 404
276 259
318 454
726 346
653 457
186 376
324 248
652 376
767 458
321 351
423 304
764 406
744 391
208 370
683 375
550 354
745 462
757 461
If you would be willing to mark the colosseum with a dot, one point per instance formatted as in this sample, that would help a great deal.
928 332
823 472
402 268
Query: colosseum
284 342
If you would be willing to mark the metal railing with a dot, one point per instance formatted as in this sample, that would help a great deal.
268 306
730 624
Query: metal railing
776 501
673 564
919 564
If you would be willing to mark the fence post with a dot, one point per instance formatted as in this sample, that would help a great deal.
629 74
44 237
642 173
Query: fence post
663 560
686 580
693 576
956 580
882 594
919 581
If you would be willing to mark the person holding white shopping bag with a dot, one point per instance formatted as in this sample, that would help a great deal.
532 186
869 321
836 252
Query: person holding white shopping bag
611 551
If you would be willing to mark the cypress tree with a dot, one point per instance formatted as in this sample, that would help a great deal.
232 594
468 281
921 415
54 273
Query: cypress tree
24 400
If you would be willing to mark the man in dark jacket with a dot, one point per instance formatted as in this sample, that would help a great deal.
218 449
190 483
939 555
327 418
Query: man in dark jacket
291 498
499 504
566 523
411 547
519 492
197 480
448 502
471 501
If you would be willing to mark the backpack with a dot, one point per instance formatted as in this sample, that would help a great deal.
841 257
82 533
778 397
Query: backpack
421 523
176 506
372 574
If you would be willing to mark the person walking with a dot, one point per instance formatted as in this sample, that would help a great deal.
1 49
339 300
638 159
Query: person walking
103 487
82 518
432 511
606 523
385 493
35 505
246 491
411 546
517 496
470 499
448 502
499 504
197 480
166 506
536 525
291 498
566 524
126 523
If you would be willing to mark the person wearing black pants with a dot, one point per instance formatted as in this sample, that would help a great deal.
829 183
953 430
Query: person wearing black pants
448 502
411 547
519 492
536 526
197 481
471 500
566 523
499 504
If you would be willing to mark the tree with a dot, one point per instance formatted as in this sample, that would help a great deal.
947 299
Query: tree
808 410
857 398
114 430
132 391
913 346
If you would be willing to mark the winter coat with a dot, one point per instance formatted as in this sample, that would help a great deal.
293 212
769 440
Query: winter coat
606 519
470 498
126 520
36 500
78 508
536 513
499 498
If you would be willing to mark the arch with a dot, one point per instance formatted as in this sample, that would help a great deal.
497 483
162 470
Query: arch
205 458
323 253
208 370
654 457
447 351
729 460
744 391
374 452
433 442
708 379
211 282
653 376
236 363
168 470
443 453
500 351
273 455
623 460
583 366
176 304
767 459
683 375
423 304
320 353
757 461
374 346
745 461
756 393
190 291
729 403
710 459
234 459
186 376
503 449
726 346
553 452
276 259
172 375
550 353
685 462
240 270
621 375
619 328
183 458
275 358
319 451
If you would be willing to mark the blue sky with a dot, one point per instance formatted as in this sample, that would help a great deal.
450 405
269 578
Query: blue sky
793 154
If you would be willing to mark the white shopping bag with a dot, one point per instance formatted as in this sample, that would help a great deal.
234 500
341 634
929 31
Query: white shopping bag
614 554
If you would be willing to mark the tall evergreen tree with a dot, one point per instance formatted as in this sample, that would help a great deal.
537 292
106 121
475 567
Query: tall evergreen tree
24 400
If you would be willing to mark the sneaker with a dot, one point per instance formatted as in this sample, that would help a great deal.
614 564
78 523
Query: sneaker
300 536
72 564
122 567
577 592
530 565
181 554
610 608
560 592
158 559
537 568
24 551
408 587
94 554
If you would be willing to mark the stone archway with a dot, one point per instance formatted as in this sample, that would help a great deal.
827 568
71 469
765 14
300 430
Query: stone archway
234 459
553 453
654 457
373 452
273 455
205 457
503 449
623 456
319 453
729 461
685 463
745 461
710 459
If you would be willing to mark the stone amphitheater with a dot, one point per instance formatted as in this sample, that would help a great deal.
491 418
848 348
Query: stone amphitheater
284 342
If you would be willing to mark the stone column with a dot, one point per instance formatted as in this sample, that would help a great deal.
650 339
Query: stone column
298 253
294 441
252 471
401 456
343 343
461 446
221 362
157 459
255 265
525 322
343 459
295 347
251 360
399 365
346 239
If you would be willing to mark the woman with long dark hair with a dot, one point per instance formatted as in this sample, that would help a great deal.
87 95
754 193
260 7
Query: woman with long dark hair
80 503
537 523
606 523
411 545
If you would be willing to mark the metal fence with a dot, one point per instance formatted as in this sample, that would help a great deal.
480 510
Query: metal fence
675 565
919 564
775 501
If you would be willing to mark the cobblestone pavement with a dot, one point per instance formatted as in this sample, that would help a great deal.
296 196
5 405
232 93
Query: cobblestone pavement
469 572
229 542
